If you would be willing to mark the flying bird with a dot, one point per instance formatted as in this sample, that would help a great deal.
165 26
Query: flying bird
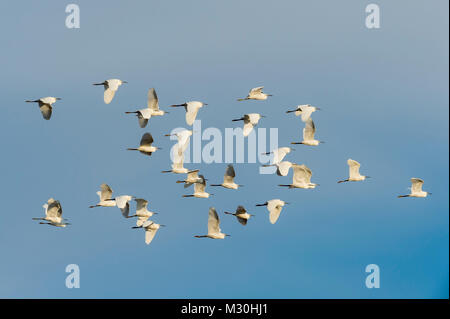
214 231
256 94
250 121
304 111
178 161
150 230
228 179
274 206
106 200
191 110
199 189
45 105
282 167
416 189
183 138
142 213
241 215
308 134
152 109
145 146
110 86
354 175
53 214
191 178
301 178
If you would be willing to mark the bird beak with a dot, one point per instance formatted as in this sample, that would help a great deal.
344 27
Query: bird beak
291 111
136 227
169 134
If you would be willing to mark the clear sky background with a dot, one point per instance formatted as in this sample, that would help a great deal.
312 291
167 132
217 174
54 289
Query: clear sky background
384 95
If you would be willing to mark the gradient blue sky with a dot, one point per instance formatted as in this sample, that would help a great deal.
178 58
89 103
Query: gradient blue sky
384 95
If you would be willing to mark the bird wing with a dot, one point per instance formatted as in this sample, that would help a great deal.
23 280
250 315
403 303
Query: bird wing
105 192
192 175
353 168
243 221
141 205
147 139
191 111
230 174
213 221
108 95
416 186
309 130
306 112
300 174
152 100
54 209
183 139
149 235
200 186
240 210
283 168
46 110
279 154
248 128
256 90
274 208
122 203
142 121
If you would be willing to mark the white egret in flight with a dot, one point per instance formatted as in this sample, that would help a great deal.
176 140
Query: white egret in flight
110 86
214 231
191 110
152 109
416 189
250 121
53 214
145 146
274 206
241 215
199 189
45 105
106 200
256 94
308 134
354 175
142 213
183 138
150 230
191 178
228 179
301 178
305 111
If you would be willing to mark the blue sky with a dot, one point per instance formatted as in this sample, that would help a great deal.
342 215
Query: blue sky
384 95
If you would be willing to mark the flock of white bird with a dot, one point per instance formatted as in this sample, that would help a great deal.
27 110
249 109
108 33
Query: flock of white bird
301 173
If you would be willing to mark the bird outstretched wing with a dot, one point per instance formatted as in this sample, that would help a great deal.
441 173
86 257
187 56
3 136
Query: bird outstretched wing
416 186
152 100
147 139
309 130
46 110
230 174
213 221
105 192
353 168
